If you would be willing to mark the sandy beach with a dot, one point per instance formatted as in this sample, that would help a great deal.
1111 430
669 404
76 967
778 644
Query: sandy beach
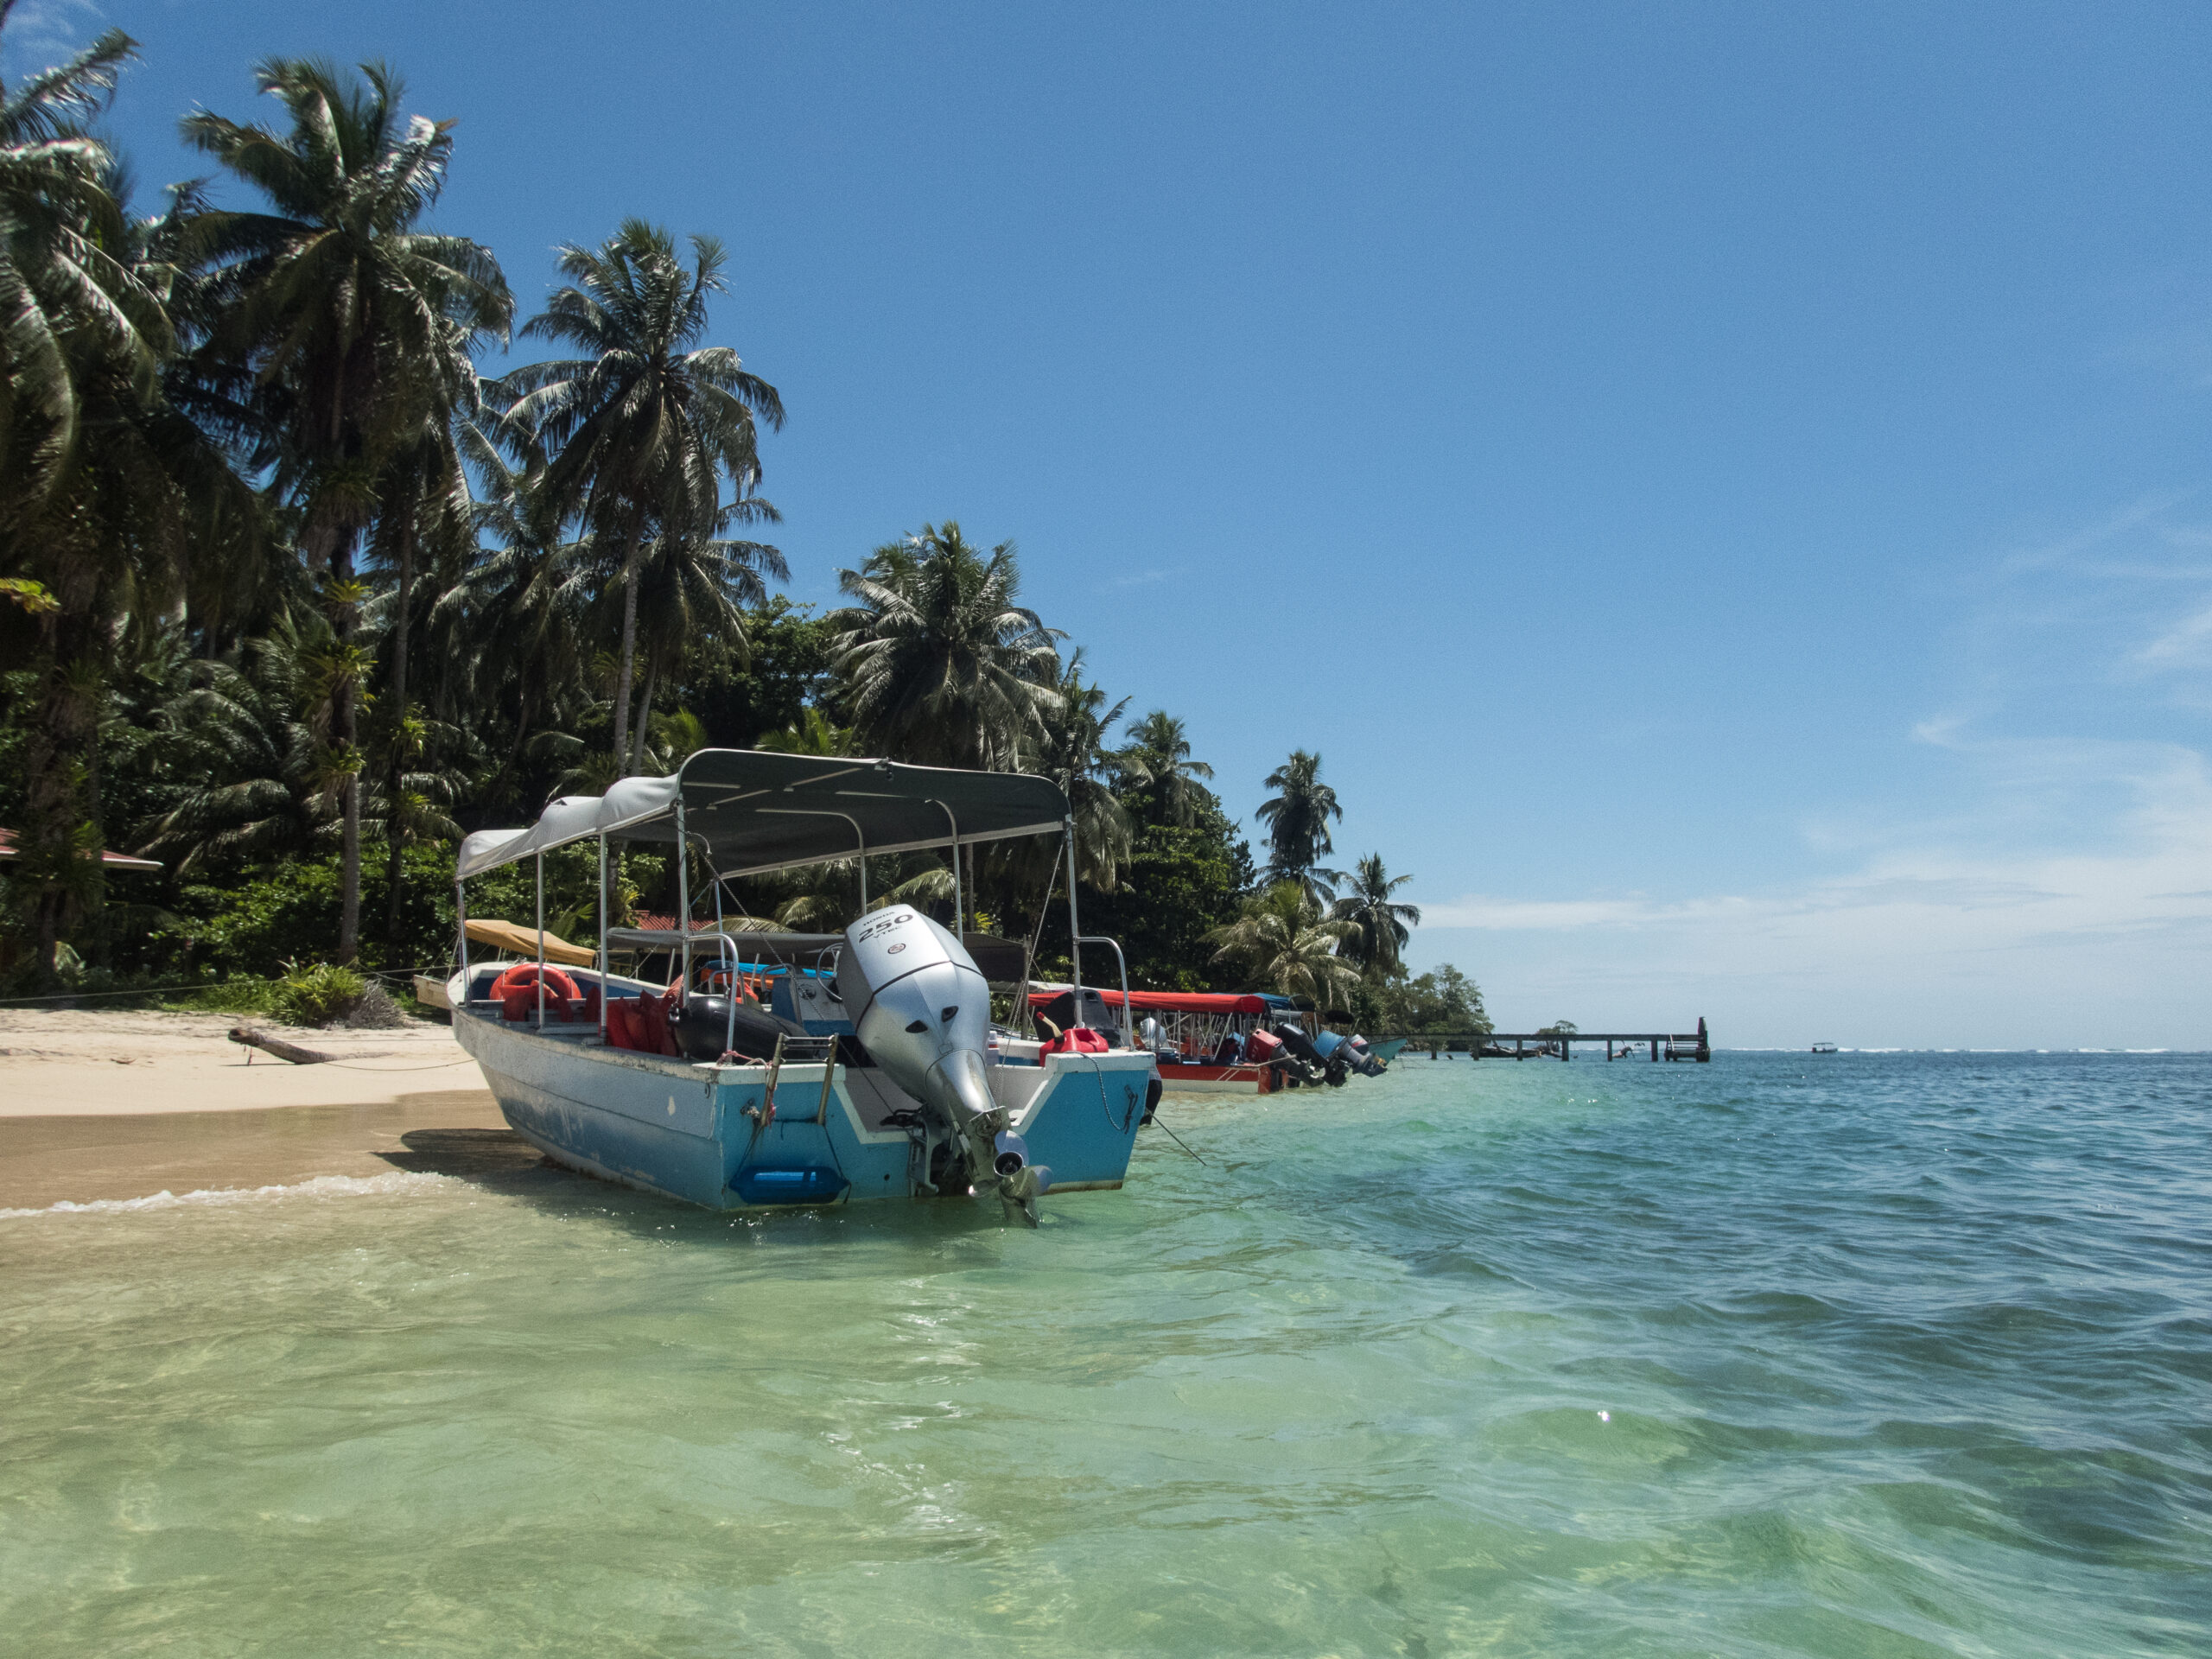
109 1106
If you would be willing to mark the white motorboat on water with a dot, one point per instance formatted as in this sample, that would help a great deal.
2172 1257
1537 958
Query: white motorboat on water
870 1070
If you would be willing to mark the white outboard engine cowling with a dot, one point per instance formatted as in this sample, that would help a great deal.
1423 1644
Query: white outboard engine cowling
922 1009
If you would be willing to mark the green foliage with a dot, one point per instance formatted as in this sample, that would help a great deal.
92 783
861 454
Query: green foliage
1179 884
1442 1000
937 662
1279 943
244 995
317 993
252 927
784 677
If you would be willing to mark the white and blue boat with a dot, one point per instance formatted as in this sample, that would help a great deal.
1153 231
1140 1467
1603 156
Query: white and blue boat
871 1070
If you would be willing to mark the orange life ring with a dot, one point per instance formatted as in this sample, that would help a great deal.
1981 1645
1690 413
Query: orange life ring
523 976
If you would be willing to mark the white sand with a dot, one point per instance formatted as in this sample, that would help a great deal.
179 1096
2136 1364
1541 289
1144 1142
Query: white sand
82 1064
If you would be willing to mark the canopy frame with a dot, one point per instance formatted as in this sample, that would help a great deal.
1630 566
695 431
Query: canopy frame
997 806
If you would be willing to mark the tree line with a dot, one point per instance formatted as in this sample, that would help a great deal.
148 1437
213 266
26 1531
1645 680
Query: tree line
294 592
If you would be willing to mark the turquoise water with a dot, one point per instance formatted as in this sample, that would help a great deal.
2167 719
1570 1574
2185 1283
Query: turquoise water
1866 1355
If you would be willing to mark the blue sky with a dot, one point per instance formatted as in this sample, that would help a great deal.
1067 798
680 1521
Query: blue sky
1727 489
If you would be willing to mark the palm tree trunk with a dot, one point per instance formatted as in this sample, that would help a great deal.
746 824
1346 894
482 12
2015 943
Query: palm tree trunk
645 711
349 863
344 730
398 730
96 873
629 648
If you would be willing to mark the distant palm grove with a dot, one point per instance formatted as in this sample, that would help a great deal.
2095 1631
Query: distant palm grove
293 593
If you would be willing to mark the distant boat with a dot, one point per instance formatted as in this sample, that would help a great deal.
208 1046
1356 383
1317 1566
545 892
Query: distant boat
1212 1042
1823 1048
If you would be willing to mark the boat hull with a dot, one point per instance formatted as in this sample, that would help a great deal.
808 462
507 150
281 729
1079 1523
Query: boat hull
1179 1079
683 1130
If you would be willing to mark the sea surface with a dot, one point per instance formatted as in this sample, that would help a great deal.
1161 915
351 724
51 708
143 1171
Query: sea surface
1900 1354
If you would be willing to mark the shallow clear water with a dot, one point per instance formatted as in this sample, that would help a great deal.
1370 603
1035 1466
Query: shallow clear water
1864 1354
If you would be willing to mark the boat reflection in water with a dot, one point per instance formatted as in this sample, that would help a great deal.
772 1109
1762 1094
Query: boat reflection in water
777 1068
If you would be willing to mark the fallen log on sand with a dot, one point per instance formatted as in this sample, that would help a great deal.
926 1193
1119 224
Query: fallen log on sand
252 1038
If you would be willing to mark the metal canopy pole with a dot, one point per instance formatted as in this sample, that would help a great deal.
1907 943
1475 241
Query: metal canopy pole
602 939
1075 929
958 910
541 941
461 922
684 896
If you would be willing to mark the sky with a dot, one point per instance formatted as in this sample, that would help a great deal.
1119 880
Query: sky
1725 489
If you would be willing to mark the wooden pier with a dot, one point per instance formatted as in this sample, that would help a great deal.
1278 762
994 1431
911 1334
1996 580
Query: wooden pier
1547 1044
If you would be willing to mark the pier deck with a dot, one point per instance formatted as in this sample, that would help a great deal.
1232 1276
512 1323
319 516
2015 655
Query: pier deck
1543 1045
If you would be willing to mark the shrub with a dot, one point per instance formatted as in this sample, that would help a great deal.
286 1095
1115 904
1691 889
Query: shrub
318 995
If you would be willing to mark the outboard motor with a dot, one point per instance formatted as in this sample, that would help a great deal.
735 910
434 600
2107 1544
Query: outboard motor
1311 1066
922 1008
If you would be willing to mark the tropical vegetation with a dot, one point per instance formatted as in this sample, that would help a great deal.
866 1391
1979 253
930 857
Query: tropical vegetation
298 584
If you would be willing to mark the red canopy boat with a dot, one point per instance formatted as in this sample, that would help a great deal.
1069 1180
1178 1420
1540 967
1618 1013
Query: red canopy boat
1201 1037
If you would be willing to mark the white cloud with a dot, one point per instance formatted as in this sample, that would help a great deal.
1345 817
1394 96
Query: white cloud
2186 644
42 33
1941 945
2060 895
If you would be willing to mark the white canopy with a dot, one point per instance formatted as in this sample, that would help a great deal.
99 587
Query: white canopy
572 818
749 812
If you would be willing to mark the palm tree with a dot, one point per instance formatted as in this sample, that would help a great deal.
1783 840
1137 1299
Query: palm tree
689 592
1298 825
641 430
939 664
1074 756
509 630
1380 925
253 734
1159 758
61 230
424 500
358 328
812 733
106 484
1282 945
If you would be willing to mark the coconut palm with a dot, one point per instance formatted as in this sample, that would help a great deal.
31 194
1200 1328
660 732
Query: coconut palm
690 591
508 629
641 429
1074 756
356 326
812 733
62 268
253 733
1382 926
1282 945
939 663
1297 817
1158 758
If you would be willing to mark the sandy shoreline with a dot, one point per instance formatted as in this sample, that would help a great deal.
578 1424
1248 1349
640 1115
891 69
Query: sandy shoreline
76 1063
105 1106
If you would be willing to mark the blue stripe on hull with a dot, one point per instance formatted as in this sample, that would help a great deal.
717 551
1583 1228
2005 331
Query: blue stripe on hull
682 1131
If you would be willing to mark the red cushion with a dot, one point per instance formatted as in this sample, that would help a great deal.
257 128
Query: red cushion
622 1022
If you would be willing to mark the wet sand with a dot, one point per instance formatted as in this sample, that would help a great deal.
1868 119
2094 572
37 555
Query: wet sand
83 1159
109 1106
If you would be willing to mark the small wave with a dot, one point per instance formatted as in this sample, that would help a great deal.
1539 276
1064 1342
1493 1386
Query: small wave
322 1186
